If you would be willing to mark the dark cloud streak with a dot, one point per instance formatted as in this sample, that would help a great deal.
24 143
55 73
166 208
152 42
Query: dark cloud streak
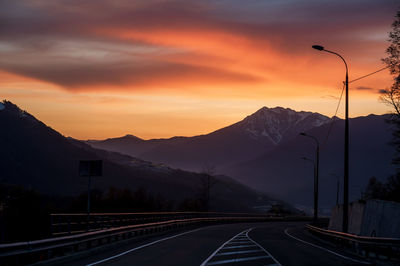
78 76
362 88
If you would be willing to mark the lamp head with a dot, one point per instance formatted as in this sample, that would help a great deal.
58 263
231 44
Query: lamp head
318 47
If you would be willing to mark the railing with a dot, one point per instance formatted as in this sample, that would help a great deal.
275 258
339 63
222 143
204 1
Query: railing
73 223
369 247
33 251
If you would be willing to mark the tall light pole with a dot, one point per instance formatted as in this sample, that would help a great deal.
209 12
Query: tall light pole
337 187
315 205
316 173
346 145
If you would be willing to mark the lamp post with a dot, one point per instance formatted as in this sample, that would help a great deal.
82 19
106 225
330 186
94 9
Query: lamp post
316 172
346 144
315 219
337 187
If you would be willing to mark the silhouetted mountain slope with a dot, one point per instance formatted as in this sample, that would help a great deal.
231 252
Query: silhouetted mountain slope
282 173
264 150
35 156
249 138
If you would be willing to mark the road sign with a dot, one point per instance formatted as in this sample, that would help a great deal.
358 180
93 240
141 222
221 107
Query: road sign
91 168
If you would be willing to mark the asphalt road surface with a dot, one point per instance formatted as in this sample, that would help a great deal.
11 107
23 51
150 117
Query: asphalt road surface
271 243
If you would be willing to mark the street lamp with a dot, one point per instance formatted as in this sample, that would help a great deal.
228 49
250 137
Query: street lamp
337 187
346 144
316 170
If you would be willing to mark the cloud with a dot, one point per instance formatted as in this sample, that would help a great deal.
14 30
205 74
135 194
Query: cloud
149 44
134 76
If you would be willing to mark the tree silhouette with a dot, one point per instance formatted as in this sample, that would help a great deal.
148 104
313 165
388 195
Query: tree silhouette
374 190
391 96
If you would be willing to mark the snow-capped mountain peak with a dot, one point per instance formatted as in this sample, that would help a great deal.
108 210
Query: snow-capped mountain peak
277 124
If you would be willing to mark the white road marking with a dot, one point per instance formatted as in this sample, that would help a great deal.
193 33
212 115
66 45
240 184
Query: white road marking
272 257
243 235
327 250
218 249
242 246
237 260
142 246
238 252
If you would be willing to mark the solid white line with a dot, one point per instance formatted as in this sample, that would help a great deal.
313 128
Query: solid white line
237 260
218 249
272 257
327 250
140 247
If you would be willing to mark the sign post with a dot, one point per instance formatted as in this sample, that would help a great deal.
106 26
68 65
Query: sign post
90 168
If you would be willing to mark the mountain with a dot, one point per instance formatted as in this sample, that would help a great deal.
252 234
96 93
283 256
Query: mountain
281 171
35 156
260 132
264 150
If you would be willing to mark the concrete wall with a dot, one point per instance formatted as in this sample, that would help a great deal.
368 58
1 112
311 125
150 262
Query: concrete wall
375 217
381 217
356 213
335 222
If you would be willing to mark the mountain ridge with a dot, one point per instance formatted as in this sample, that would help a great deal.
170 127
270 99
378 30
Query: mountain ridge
38 157
263 150
282 172
247 138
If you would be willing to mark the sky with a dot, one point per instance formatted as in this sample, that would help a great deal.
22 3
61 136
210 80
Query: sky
157 68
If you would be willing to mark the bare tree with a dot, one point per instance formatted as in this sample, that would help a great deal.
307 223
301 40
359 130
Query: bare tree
391 189
391 96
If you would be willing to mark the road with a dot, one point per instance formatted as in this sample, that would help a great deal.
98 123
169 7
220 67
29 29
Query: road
272 243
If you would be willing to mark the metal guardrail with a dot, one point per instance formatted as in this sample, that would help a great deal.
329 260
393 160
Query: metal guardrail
368 247
73 223
33 251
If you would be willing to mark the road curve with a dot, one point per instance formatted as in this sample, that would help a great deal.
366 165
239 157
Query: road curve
270 243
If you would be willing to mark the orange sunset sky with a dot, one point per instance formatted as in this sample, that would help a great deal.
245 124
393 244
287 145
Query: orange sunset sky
155 68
